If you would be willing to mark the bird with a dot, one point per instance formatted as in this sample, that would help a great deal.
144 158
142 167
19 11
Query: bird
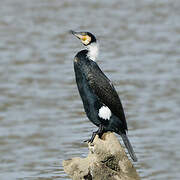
101 102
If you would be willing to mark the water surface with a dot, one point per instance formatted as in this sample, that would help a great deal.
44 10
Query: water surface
42 120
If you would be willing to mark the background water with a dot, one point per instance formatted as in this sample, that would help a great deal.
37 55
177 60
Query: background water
42 120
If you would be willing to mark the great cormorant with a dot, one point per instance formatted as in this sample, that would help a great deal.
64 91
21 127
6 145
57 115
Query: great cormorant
100 99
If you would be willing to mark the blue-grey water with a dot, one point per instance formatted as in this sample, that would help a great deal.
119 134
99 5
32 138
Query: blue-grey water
42 120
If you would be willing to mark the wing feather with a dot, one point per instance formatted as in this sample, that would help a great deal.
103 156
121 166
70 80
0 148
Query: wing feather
106 92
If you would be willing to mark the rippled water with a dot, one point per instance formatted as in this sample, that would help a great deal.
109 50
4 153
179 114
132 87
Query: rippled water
42 120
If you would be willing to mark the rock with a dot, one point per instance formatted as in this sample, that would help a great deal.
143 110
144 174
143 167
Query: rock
106 160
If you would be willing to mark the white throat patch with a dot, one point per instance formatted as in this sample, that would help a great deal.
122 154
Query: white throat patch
104 113
93 50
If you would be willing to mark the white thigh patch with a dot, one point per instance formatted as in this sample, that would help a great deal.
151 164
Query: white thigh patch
104 112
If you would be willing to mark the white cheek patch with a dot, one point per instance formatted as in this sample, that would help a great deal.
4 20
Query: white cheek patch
86 41
104 113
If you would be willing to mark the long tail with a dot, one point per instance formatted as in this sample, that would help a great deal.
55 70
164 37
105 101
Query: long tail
129 147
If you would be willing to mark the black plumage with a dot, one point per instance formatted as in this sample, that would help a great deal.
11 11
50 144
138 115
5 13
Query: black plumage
97 91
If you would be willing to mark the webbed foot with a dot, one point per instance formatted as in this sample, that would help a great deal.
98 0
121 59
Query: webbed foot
99 132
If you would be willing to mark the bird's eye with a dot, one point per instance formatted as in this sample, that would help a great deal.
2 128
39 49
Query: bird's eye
83 33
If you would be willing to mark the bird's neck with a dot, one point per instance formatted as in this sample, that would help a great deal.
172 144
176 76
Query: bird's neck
93 50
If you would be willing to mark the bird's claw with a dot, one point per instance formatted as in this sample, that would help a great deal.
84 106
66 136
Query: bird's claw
88 141
99 132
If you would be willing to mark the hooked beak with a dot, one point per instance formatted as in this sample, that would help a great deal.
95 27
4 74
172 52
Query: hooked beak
77 34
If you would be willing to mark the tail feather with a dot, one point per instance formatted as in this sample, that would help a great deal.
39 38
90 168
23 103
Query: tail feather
129 147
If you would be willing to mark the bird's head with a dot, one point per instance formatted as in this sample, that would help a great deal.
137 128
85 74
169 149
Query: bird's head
86 38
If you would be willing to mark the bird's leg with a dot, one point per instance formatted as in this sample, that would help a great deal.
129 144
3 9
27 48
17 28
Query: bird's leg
92 137
99 132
